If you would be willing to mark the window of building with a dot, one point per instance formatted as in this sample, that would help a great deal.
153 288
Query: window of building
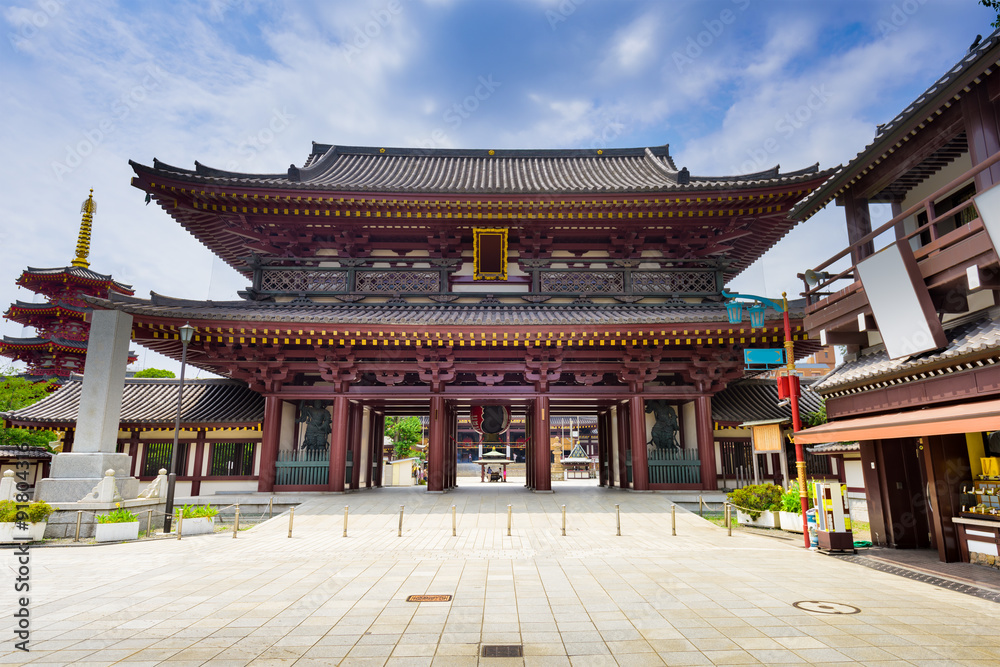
157 455
490 249
232 459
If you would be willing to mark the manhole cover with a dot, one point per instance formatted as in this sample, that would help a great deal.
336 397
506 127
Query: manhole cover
826 607
502 651
429 598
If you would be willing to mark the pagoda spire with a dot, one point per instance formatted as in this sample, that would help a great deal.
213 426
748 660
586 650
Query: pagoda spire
88 209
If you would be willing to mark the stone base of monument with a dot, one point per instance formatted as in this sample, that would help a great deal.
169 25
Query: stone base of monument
74 475
62 522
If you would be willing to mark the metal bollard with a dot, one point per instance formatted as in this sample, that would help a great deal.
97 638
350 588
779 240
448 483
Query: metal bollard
508 520
79 516
673 520
729 519
399 533
564 520
454 526
346 507
236 521
270 508
618 519
180 522
291 519
701 507
149 522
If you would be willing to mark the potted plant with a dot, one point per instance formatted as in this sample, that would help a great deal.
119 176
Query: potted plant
20 519
757 505
791 509
198 519
117 526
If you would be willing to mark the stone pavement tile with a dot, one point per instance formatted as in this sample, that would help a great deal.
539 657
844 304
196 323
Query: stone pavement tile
110 656
409 661
371 651
179 663
866 653
814 655
368 638
546 661
701 633
499 638
417 638
639 660
685 658
195 653
627 646
414 650
53 657
460 638
273 662
660 633
463 649
455 660
592 661
776 656
326 652
731 658
363 662
800 642
544 648
586 648
581 636
620 634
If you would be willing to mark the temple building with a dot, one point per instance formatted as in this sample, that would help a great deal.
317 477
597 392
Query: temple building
387 281
60 344
914 302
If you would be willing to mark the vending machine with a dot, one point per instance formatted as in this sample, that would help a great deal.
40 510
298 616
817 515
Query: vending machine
833 516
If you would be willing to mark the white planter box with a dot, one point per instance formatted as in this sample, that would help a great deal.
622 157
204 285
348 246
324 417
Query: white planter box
768 519
791 522
35 531
199 526
116 532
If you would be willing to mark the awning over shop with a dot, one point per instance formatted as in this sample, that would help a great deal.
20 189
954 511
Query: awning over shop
964 418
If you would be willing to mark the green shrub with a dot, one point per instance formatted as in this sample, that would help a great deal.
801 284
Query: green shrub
791 501
757 498
36 511
196 511
120 515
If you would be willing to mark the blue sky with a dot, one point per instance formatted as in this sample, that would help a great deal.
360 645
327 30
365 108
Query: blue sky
731 85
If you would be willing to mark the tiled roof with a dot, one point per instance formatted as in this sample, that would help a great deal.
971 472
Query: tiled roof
12 452
944 91
420 314
967 339
151 402
45 306
835 448
757 400
77 345
79 272
371 169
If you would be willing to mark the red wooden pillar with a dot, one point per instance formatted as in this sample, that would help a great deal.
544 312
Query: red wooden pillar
356 421
637 424
529 445
378 431
543 463
621 431
199 461
453 439
269 444
435 446
706 441
338 442
979 114
602 449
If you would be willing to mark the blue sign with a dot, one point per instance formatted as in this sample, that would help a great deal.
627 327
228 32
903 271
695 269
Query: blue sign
768 358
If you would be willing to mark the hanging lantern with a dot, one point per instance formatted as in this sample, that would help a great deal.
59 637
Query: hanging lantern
756 315
734 309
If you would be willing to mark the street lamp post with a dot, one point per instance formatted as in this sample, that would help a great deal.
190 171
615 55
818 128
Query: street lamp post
757 320
186 333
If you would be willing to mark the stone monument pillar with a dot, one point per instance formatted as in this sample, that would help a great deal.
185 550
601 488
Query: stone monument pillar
73 475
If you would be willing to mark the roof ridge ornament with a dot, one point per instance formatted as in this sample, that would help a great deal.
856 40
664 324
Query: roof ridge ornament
88 208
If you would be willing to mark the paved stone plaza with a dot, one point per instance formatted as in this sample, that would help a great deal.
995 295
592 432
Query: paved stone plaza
589 598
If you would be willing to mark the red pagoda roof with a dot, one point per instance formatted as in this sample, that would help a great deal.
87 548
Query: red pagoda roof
61 344
21 309
76 274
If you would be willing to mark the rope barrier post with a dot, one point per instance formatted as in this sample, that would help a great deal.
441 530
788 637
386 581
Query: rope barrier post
149 522
236 521
564 520
508 520
79 516
454 525
618 519
729 519
346 507
701 507
399 533
180 522
291 519
270 508
673 520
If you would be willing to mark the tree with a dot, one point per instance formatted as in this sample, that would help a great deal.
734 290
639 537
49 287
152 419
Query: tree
404 432
154 373
995 6
17 393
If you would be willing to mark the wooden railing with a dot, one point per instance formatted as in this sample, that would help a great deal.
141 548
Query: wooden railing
679 466
304 467
938 242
